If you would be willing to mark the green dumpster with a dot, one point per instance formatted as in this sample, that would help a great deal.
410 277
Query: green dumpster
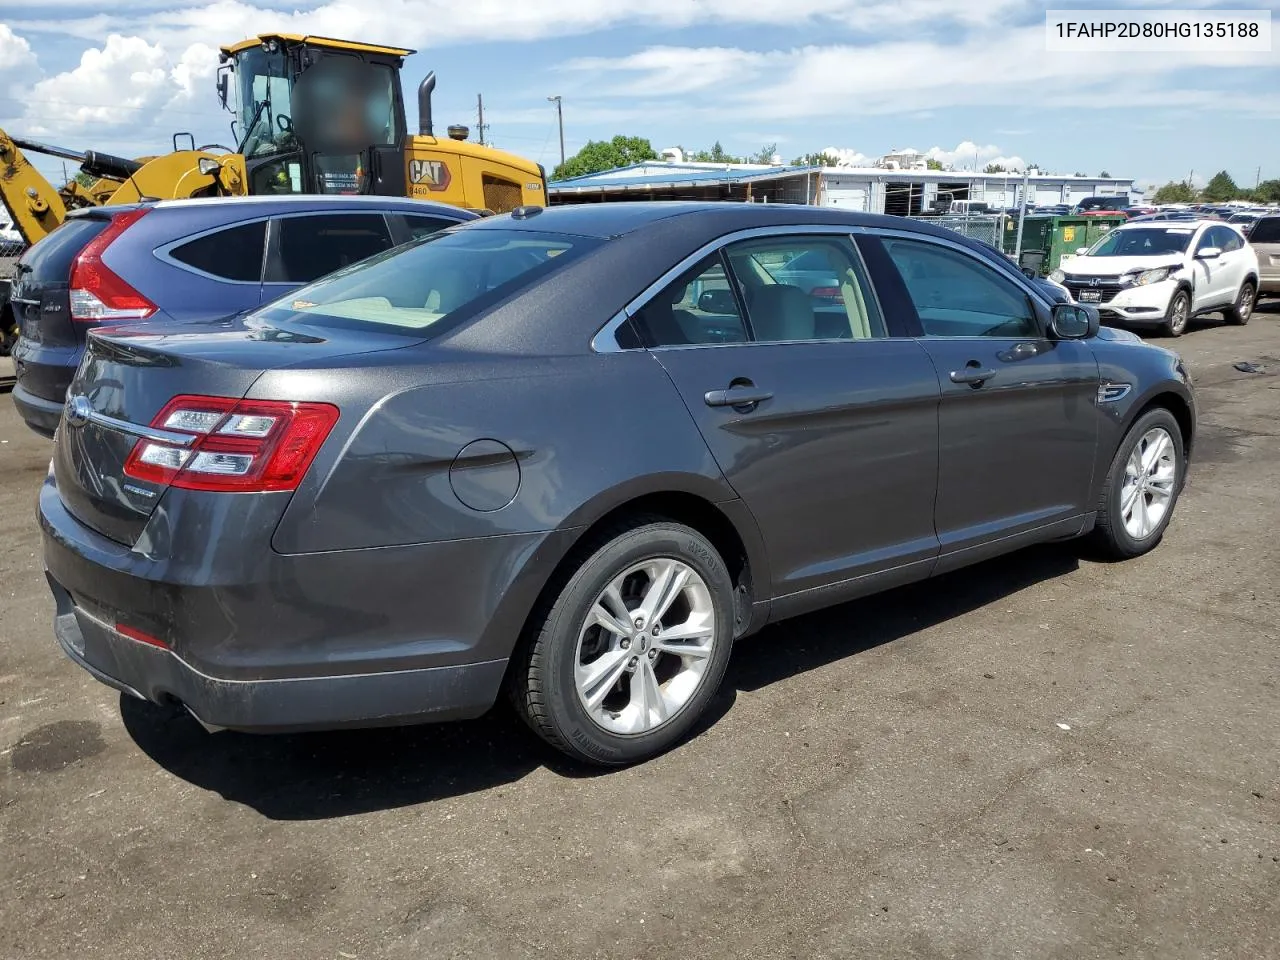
1046 240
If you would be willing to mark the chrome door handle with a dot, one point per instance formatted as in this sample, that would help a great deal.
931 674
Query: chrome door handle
974 376
736 397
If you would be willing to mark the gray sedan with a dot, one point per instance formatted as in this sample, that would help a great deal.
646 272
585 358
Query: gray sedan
574 454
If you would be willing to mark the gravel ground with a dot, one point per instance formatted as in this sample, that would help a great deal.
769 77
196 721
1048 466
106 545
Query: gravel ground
1040 757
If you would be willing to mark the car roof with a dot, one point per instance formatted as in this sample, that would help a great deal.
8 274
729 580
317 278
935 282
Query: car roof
611 220
1138 223
296 203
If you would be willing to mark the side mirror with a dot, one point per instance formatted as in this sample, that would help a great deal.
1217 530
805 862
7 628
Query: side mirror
717 301
223 76
1029 273
1074 321
1209 253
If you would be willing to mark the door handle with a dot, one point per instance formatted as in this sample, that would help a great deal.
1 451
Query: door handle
739 396
973 375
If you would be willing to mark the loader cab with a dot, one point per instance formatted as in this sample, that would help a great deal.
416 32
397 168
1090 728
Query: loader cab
314 115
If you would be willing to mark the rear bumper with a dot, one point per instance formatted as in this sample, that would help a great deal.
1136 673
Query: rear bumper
152 673
39 414
1269 283
262 641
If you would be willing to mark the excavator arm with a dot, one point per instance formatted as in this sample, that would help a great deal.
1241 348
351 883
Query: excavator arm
37 207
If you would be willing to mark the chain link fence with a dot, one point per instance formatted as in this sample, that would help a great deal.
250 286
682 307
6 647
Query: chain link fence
985 227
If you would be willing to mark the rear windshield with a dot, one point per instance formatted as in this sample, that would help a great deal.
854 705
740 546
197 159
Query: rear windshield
1143 242
429 284
50 259
1266 230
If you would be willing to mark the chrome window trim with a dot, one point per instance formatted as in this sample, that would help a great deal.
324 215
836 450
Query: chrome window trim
605 339
164 252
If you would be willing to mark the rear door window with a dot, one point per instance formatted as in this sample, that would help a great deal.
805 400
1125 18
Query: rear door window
313 245
232 254
420 226
428 285
1266 230
50 260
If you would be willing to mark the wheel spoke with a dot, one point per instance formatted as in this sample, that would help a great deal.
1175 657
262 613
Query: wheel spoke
598 677
663 590
646 695
1151 456
1130 498
601 616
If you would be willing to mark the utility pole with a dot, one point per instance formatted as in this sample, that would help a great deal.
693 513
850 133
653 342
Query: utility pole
480 121
560 122
1022 217
1257 181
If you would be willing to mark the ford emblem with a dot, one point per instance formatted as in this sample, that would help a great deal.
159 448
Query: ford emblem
78 410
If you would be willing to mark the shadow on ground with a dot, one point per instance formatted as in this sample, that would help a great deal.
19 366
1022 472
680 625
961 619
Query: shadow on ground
325 775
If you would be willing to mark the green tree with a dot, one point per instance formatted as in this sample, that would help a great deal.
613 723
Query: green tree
1079 174
823 159
765 154
1268 191
85 179
1104 175
1220 188
1173 192
599 155
995 168
932 164
716 154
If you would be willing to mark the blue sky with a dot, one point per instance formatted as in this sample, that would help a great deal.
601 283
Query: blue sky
967 80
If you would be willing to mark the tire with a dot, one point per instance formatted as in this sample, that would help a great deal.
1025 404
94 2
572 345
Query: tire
620 729
1179 314
1242 309
1117 531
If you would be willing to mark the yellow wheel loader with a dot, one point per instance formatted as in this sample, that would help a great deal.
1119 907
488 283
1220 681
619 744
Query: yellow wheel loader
312 115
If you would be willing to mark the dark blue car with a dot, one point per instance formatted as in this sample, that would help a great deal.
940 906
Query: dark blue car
184 260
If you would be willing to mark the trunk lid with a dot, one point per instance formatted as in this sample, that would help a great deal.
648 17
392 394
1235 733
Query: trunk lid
127 377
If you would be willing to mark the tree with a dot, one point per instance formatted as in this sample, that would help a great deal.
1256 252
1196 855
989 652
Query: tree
1221 187
716 154
1173 192
1079 174
765 154
815 160
1104 175
1268 191
84 179
995 168
598 155
932 164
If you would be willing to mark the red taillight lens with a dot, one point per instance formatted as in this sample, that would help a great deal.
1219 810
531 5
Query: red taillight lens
133 633
237 445
825 293
97 292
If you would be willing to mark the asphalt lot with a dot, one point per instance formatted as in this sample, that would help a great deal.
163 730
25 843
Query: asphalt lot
1044 756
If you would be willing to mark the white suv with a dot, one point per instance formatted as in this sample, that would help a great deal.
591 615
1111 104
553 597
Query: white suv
1165 273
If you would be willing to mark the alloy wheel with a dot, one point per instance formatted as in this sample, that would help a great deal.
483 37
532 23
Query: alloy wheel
1150 481
644 648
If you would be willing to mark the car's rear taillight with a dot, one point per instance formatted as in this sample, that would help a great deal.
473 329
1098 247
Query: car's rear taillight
97 292
236 445
825 293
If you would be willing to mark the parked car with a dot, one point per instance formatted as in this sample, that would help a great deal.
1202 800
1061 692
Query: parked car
1166 273
1166 215
1264 238
184 260
1101 205
498 457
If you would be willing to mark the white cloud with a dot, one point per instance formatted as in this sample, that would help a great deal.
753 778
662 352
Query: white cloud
964 156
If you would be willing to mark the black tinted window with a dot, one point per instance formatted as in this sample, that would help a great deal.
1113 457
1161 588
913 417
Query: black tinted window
1228 239
698 307
958 296
50 259
312 246
232 254
420 226
1266 230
